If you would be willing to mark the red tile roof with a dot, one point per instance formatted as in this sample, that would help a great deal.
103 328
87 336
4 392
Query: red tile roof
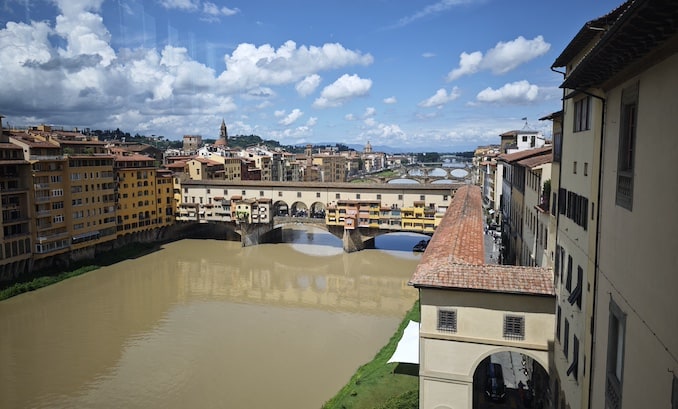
455 256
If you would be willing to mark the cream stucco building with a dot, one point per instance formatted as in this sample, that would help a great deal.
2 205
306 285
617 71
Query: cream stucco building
616 340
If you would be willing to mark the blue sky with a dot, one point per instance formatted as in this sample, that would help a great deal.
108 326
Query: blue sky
420 75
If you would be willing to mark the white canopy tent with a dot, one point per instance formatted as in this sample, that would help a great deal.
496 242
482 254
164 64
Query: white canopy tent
407 350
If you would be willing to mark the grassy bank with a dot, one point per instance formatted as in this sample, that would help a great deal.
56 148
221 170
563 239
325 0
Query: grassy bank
45 278
378 384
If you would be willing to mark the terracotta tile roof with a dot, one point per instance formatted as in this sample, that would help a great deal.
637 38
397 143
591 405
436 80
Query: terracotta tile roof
454 258
516 156
537 160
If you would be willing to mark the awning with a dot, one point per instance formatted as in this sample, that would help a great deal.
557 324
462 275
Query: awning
407 350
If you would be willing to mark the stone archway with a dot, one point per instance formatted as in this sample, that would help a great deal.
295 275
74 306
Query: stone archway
317 210
280 208
510 377
299 209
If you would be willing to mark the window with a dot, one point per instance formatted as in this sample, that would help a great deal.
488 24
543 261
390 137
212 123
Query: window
627 144
400 197
575 295
261 193
586 168
378 196
279 194
357 195
615 356
566 339
447 320
338 196
568 280
514 327
582 112
317 195
573 369
574 167
298 194
244 192
556 268
422 197
559 312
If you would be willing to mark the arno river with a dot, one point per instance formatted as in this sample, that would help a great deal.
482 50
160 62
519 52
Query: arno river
207 324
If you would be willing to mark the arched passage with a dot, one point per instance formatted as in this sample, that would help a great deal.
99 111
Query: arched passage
299 209
317 210
510 378
280 208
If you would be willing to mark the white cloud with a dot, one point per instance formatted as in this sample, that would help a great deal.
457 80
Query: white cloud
279 113
520 91
308 85
370 121
388 132
428 55
187 5
369 111
343 89
468 64
312 121
249 66
435 8
292 117
212 9
390 100
440 98
349 117
504 57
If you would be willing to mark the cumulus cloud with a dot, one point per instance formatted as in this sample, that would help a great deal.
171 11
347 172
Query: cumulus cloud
250 66
349 117
343 89
515 92
291 117
308 85
369 111
69 66
389 132
186 5
440 98
504 57
390 100
212 9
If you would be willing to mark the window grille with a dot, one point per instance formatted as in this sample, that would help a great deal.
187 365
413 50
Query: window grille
447 320
514 327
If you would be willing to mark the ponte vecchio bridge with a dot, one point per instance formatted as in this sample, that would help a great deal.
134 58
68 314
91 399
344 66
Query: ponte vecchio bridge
354 212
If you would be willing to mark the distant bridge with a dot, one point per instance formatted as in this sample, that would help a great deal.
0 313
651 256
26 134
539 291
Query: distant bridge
356 213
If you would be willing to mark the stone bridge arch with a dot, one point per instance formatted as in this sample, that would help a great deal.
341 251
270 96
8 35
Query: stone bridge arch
299 209
280 208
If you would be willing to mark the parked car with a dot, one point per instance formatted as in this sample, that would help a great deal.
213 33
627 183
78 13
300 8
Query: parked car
495 389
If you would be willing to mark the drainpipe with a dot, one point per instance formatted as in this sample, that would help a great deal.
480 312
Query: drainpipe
597 243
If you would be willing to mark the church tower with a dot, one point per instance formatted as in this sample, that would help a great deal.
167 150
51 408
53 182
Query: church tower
223 134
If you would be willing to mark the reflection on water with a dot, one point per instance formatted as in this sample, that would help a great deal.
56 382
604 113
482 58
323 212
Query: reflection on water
209 324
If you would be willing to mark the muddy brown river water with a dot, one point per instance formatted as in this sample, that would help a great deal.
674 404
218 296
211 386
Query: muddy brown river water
207 324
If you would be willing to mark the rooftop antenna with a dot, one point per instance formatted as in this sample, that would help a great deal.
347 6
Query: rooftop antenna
526 126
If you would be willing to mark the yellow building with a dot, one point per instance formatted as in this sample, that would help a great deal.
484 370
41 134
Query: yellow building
166 203
90 197
137 195
15 236
331 168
